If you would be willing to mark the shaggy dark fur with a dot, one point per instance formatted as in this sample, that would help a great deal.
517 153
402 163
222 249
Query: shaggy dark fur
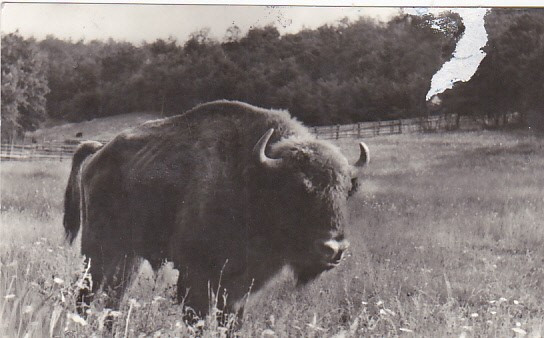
189 189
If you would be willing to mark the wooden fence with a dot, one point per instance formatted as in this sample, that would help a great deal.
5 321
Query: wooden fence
34 152
53 150
62 151
409 126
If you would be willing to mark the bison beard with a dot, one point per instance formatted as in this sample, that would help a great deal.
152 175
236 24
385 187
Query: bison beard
223 182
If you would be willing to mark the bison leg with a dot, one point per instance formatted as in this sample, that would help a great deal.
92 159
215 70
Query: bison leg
87 288
113 275
194 299
198 300
117 277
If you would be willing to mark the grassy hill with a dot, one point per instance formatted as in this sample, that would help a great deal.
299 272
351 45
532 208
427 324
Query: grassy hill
97 129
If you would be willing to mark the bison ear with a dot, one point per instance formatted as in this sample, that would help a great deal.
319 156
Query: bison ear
364 157
259 152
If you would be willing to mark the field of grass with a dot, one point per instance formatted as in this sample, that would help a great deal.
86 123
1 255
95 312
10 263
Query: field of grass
447 238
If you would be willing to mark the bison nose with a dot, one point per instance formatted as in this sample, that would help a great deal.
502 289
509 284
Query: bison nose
338 256
332 249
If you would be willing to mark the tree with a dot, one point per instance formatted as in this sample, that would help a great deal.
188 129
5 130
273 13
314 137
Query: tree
233 34
24 85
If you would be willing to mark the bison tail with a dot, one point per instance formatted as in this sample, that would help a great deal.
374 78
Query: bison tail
72 198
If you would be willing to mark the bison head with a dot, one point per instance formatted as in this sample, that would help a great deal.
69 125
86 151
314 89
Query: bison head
305 188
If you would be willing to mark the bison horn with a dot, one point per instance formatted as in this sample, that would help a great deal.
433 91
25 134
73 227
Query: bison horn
259 149
364 157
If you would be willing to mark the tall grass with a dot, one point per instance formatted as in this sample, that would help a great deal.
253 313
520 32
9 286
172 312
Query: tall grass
446 234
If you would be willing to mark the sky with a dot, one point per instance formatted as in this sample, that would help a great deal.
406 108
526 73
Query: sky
135 23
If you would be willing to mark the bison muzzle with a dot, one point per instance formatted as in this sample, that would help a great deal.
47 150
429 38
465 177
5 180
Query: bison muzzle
230 193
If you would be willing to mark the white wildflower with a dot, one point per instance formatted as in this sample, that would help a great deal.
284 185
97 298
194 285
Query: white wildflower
390 312
403 329
519 331
76 319
58 281
268 332
115 314
272 320
341 334
158 298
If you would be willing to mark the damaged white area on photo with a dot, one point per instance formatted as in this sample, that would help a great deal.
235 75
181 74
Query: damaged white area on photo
468 53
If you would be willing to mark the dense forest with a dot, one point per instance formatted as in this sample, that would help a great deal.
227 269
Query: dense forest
347 72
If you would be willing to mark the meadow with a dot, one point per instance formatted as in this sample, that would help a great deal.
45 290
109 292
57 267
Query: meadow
446 233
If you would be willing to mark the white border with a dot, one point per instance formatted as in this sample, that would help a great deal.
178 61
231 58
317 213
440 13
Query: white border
315 3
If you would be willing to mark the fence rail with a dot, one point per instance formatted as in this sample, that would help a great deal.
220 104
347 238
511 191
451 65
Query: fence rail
30 152
408 126
62 151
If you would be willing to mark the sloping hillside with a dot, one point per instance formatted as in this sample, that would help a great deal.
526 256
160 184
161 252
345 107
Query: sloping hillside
97 129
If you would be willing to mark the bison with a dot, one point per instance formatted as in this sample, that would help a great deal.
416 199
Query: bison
228 192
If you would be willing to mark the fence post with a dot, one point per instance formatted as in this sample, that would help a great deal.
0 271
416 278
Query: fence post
400 126
33 152
12 144
337 131
316 133
358 129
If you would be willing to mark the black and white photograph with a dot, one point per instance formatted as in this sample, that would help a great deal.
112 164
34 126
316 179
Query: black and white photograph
271 170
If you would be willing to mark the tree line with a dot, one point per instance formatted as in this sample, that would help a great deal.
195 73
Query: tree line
349 72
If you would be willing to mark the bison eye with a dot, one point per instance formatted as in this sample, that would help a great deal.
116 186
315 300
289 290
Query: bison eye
354 186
